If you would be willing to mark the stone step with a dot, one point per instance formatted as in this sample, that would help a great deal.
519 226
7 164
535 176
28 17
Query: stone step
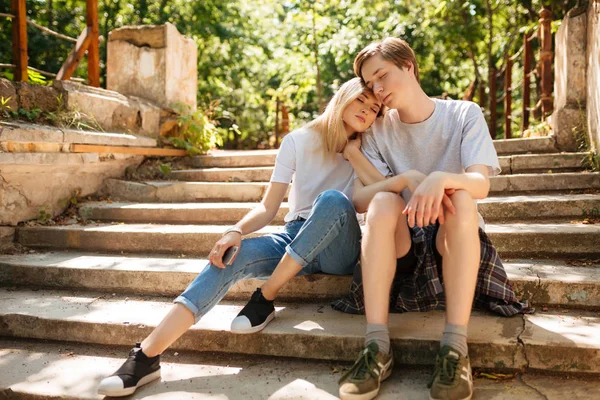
546 144
32 133
542 282
266 158
516 239
517 164
179 192
509 208
73 371
551 341
235 158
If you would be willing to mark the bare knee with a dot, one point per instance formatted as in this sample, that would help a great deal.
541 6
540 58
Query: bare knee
385 209
466 211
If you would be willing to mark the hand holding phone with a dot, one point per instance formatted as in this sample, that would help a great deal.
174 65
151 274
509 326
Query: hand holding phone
229 255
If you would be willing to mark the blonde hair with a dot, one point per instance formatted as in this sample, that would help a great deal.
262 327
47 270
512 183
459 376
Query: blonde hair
329 125
391 49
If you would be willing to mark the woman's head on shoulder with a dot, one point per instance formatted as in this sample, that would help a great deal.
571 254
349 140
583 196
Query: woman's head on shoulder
353 108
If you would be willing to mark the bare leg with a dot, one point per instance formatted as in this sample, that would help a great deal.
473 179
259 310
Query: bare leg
385 239
458 243
286 270
175 324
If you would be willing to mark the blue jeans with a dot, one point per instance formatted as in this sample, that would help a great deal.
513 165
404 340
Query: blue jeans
327 241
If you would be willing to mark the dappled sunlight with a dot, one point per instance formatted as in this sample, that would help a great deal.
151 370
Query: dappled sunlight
582 331
309 326
540 228
301 389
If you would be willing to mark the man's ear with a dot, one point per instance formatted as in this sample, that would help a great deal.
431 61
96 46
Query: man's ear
410 68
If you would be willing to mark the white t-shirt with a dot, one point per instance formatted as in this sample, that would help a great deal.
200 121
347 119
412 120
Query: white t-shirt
301 157
452 139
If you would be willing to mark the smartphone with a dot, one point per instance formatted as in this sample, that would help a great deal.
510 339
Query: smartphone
229 254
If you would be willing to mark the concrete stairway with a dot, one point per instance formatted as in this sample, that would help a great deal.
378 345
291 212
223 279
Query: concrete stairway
110 281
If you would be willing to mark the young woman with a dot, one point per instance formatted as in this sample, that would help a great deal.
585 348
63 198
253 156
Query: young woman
321 234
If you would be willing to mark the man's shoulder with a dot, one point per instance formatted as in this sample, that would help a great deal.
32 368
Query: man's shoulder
463 108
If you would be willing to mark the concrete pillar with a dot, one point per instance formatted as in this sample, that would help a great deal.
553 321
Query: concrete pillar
570 89
154 62
593 73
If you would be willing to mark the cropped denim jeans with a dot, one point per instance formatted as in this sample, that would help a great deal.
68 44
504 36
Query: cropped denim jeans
327 241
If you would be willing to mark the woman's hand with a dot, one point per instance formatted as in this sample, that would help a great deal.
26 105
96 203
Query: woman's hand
428 202
227 241
352 145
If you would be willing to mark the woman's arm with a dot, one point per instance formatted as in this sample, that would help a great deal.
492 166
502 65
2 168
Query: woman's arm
366 171
364 194
256 219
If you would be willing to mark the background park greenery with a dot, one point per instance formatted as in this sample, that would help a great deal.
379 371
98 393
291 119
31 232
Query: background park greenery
300 51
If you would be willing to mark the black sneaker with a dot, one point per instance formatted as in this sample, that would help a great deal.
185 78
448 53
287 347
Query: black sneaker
136 371
255 316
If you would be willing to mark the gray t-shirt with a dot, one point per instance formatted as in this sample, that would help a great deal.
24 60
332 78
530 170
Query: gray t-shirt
452 139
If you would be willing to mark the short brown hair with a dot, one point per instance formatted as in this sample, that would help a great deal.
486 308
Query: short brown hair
391 49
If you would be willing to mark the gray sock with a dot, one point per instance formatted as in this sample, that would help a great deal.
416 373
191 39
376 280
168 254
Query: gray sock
379 334
456 337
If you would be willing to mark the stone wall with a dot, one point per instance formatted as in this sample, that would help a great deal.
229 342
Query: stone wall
593 73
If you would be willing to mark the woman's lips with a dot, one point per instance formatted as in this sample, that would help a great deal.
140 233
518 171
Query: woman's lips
361 119
386 98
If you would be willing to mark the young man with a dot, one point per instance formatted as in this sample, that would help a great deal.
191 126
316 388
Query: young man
424 249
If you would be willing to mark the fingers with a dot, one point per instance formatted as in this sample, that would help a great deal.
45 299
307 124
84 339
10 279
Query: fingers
435 212
448 205
216 256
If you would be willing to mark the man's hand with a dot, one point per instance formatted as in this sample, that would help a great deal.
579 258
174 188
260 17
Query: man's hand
227 241
428 202
352 145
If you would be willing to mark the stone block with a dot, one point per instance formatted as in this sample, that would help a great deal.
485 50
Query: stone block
153 62
8 91
566 121
7 236
570 62
46 98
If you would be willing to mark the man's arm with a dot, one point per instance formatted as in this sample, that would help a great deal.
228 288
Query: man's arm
425 205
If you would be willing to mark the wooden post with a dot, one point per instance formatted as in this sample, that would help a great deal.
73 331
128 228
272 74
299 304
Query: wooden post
19 39
526 80
277 103
94 46
492 102
507 97
546 60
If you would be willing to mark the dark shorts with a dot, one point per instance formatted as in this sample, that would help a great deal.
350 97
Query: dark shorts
418 282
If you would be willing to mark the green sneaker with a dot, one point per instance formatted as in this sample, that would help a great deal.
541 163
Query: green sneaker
452 378
362 381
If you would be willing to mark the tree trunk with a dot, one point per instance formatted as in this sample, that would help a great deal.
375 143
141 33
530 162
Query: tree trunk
316 54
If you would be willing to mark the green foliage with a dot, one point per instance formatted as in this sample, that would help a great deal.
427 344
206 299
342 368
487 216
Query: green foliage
198 130
44 216
251 52
165 169
5 108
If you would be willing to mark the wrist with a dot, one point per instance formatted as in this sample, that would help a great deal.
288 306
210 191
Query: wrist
233 229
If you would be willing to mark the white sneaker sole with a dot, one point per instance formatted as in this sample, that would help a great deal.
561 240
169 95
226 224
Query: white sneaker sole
256 328
130 390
